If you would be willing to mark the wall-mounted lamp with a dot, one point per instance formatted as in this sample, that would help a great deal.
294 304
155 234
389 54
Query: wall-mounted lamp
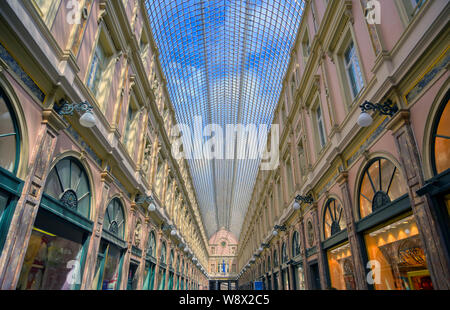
276 228
387 108
86 120
141 199
304 199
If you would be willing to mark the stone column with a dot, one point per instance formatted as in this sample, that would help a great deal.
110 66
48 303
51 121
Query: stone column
353 237
158 257
438 261
301 231
321 257
91 256
16 243
127 257
166 284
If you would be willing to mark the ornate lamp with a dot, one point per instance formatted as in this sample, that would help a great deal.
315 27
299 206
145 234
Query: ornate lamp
387 108
86 120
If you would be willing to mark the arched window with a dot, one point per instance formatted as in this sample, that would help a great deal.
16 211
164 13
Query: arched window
9 136
441 139
333 220
275 259
171 258
269 265
284 256
381 184
151 245
68 183
115 218
163 253
295 244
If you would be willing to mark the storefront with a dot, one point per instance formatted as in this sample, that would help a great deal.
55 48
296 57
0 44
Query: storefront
133 275
162 267
284 268
338 252
438 187
298 278
391 237
112 248
171 271
150 263
61 232
10 146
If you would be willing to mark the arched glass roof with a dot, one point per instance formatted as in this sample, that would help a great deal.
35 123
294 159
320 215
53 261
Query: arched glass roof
224 61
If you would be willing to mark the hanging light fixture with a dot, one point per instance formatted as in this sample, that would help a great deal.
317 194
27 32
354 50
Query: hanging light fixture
87 120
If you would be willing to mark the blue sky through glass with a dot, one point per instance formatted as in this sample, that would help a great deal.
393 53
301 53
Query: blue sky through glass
224 60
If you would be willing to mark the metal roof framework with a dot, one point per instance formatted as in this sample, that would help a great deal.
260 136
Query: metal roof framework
224 61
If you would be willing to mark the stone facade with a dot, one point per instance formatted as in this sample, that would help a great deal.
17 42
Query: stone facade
403 59
46 57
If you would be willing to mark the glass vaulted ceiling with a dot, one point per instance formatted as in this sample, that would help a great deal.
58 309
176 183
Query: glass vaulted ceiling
224 60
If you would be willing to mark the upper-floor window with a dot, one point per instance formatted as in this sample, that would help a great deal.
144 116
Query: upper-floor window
353 70
98 67
320 126
306 49
293 87
412 6
47 9
129 135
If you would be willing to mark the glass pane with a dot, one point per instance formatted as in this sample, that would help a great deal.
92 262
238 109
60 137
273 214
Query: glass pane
398 187
51 263
7 141
374 173
63 170
442 142
300 278
366 196
3 203
53 187
341 268
111 272
398 250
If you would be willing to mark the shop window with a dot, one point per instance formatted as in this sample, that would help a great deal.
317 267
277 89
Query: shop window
133 277
382 183
68 183
295 244
114 221
151 245
441 139
54 257
333 221
149 277
300 277
108 266
9 136
341 269
397 248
